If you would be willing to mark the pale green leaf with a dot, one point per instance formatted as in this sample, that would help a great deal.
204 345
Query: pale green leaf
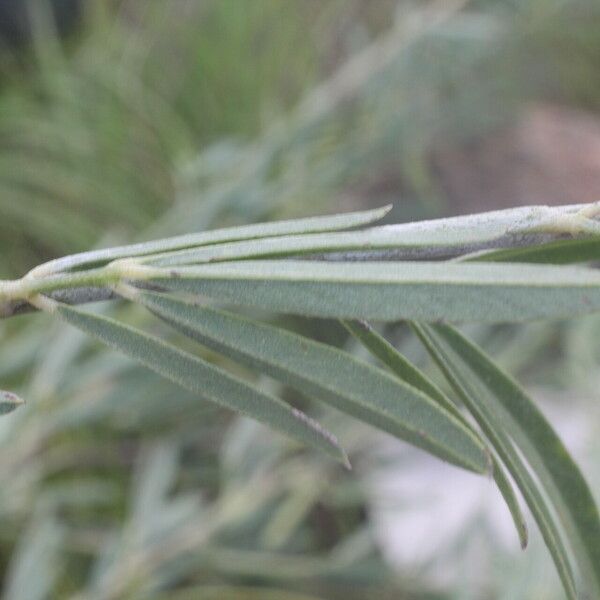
541 446
495 426
368 240
96 258
210 382
408 372
435 238
397 363
389 291
328 374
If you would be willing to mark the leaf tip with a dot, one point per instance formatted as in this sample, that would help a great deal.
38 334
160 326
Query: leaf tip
384 210
9 402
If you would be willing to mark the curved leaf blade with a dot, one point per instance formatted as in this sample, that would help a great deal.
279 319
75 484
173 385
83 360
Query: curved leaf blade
494 426
328 374
408 372
208 381
390 291
96 258
541 446
397 363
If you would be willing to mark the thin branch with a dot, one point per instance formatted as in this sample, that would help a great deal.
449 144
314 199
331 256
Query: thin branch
71 296
434 240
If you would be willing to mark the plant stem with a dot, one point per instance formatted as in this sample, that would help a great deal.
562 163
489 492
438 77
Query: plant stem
439 239
72 288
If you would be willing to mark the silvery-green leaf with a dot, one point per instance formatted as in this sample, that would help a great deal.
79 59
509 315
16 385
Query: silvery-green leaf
397 363
495 425
542 448
210 382
436 238
216 236
328 374
408 372
389 291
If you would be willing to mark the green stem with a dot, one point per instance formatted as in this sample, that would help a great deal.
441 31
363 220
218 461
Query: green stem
21 289
15 293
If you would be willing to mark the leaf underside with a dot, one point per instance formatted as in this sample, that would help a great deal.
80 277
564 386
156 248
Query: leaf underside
507 416
330 375
309 225
406 371
391 291
208 381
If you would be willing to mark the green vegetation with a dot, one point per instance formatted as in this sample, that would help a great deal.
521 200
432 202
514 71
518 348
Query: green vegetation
218 128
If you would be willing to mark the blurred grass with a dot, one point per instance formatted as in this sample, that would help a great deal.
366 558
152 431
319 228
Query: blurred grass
90 138
170 117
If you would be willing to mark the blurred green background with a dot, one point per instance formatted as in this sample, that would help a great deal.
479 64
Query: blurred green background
134 119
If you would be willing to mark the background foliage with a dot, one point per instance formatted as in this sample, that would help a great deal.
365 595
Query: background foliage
155 119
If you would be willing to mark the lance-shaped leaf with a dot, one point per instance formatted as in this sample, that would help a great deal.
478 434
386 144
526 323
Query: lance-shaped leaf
437 238
397 363
9 402
492 421
405 370
543 449
208 381
329 374
96 258
390 291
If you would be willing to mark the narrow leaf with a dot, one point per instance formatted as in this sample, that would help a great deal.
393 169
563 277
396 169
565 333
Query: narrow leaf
541 446
408 372
361 244
389 291
434 239
494 426
210 382
328 374
512 502
559 253
216 236
397 363
9 402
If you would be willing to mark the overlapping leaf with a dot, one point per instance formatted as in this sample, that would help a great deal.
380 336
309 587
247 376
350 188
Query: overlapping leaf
328 374
504 412
222 265
389 291
210 382
406 371
558 473
216 236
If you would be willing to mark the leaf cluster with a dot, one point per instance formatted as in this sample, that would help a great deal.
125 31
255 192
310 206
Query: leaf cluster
311 268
